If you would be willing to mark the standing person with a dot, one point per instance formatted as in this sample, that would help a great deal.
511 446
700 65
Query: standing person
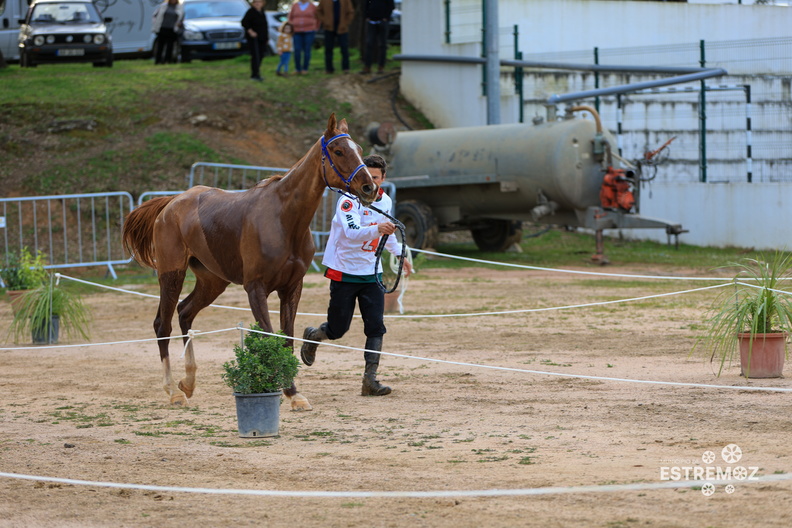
167 21
285 47
335 17
303 17
349 257
257 35
378 13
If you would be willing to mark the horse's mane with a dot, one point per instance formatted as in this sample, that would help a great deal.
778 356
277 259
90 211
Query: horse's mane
277 177
271 179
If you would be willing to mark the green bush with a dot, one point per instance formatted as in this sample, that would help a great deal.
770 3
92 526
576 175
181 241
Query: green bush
264 364
23 271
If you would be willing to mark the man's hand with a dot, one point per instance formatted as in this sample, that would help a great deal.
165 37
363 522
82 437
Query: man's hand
386 228
407 269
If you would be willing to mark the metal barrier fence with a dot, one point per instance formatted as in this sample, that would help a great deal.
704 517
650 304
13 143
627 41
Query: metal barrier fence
70 229
227 176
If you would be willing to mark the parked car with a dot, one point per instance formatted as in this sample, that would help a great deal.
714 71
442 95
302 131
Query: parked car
213 29
64 31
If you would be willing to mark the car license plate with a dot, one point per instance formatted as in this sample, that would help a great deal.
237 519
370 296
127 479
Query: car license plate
226 45
70 52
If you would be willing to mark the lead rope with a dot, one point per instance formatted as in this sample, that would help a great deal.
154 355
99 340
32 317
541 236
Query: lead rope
381 246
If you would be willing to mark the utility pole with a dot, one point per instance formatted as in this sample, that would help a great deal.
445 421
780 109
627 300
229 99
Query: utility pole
493 61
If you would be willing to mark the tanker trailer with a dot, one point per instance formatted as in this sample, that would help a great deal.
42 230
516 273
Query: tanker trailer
489 179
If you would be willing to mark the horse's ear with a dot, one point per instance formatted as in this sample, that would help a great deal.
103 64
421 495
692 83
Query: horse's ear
342 126
331 126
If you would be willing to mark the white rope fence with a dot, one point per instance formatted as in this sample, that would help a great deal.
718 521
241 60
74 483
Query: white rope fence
194 333
426 316
575 272
553 490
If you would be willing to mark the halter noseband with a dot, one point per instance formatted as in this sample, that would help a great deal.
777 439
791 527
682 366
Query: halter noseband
326 154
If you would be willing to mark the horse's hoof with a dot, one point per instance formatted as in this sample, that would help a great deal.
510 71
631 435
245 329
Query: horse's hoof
178 400
300 403
187 392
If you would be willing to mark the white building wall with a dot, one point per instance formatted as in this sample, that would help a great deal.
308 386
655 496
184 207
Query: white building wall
451 95
731 214
725 214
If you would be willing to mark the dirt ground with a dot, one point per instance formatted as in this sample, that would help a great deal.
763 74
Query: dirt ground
99 414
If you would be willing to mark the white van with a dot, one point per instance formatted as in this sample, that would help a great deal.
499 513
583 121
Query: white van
131 25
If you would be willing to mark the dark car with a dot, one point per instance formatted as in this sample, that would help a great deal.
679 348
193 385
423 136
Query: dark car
213 29
64 31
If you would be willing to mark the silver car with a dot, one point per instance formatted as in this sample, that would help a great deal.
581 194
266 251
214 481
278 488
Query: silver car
213 29
64 31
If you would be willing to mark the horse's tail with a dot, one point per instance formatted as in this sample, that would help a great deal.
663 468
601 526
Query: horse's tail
139 230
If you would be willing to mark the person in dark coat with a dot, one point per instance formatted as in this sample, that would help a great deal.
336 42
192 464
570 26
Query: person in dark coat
336 17
257 34
378 13
167 21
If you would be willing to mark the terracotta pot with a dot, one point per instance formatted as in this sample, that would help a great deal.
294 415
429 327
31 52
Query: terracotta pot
764 358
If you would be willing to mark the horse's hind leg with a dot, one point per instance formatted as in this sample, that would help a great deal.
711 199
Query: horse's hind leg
170 287
207 288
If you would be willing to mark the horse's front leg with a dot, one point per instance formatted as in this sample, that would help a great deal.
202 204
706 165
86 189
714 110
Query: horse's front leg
289 300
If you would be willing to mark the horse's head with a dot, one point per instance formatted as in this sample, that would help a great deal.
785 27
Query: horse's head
343 162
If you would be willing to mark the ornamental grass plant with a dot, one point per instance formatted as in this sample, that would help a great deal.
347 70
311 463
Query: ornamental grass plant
38 308
759 303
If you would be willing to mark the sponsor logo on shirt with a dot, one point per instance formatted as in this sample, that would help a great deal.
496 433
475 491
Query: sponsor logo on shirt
351 222
346 205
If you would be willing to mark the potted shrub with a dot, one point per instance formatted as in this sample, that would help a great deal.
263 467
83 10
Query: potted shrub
755 317
22 272
263 367
44 310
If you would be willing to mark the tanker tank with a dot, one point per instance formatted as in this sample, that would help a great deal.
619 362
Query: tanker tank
490 179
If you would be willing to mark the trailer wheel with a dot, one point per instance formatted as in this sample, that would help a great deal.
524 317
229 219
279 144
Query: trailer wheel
497 235
420 226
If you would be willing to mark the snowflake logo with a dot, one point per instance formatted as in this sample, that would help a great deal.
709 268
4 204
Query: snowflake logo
708 457
730 489
731 453
740 473
708 489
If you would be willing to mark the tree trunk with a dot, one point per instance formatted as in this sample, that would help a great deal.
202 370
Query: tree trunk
2 61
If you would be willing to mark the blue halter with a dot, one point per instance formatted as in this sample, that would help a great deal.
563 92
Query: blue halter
326 154
381 246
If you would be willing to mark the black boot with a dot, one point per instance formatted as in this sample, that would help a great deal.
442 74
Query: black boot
372 387
308 350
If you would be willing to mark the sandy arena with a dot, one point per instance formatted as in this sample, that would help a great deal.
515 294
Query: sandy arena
99 414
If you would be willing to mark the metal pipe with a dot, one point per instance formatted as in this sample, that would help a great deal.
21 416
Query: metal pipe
625 88
605 68
593 112
493 62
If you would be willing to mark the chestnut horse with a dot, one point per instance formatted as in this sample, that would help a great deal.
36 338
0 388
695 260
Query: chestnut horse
259 238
